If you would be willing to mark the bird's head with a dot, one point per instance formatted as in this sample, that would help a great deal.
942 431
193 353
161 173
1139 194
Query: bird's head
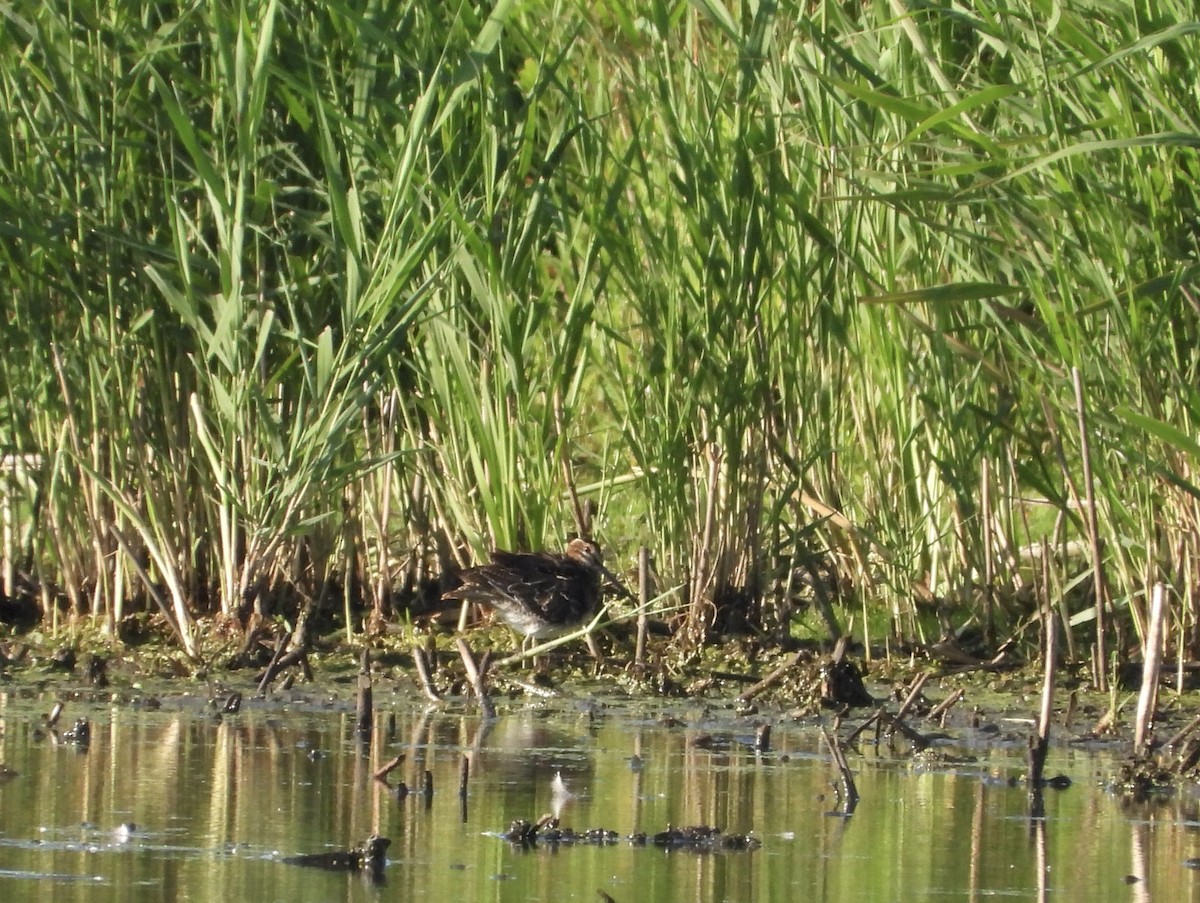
585 552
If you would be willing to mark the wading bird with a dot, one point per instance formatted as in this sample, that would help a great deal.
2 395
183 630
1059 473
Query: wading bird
539 594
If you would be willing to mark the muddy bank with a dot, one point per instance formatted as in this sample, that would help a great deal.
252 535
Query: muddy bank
914 705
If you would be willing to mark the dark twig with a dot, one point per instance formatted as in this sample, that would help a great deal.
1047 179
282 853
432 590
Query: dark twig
849 792
773 678
1183 732
898 725
917 685
939 710
382 773
463 773
273 667
871 719
364 717
296 656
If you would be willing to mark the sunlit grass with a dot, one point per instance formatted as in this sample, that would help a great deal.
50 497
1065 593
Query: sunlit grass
301 297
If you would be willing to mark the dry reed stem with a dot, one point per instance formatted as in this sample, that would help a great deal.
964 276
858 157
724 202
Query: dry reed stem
476 674
639 655
1039 744
773 678
1093 528
1152 665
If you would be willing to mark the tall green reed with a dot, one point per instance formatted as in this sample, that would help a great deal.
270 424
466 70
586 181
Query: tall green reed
314 292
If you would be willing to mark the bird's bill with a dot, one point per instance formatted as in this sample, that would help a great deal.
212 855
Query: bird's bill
616 582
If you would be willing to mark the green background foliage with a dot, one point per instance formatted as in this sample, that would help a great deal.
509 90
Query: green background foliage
300 296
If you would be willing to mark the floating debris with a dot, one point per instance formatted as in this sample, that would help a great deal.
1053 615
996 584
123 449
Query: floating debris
370 857
80 735
524 832
697 839
594 836
546 830
1142 779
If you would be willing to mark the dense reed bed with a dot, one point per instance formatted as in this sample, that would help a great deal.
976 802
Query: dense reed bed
308 303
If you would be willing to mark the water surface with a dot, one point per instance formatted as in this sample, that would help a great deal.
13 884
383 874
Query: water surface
217 802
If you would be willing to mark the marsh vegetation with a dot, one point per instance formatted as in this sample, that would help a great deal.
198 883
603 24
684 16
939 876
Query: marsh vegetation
882 311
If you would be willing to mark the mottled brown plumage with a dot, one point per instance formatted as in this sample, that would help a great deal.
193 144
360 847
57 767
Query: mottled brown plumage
539 594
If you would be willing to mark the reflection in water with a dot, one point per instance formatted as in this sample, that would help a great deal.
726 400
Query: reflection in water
218 802
1137 872
1038 828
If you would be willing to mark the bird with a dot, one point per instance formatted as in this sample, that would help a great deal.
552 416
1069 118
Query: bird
539 594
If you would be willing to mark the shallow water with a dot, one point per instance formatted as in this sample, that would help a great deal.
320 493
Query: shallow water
218 801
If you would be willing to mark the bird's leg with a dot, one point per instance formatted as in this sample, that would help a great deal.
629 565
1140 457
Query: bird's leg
527 643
